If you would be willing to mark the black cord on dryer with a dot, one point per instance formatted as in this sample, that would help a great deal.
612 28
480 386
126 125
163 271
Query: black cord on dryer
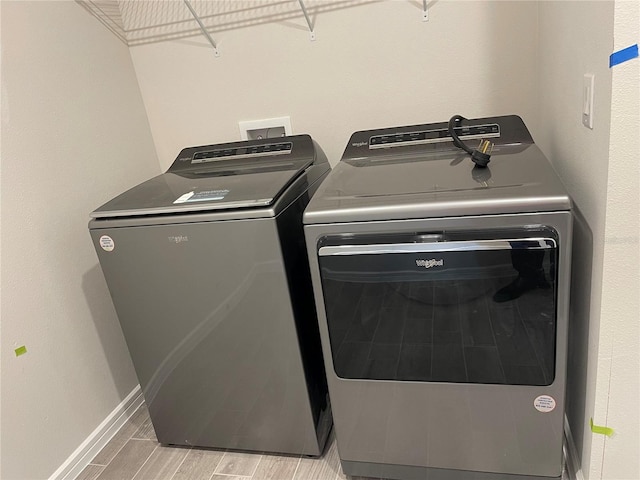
481 156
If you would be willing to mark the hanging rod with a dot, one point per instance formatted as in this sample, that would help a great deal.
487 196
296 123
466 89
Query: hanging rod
306 16
203 28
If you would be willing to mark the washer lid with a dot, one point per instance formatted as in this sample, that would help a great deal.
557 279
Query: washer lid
415 171
437 184
221 186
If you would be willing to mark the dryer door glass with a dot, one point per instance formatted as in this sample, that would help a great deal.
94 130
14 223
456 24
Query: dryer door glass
450 310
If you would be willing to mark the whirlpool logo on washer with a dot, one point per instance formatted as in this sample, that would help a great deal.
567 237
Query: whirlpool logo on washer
178 238
430 263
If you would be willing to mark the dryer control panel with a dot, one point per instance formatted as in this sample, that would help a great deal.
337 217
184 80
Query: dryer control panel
503 130
438 135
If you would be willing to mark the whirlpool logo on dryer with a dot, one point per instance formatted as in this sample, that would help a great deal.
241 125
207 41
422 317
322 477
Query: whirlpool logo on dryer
430 263
178 238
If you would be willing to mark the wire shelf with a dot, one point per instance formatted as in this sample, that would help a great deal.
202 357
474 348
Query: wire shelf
137 22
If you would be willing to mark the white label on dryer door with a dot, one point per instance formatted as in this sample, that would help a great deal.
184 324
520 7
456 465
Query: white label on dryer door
107 244
544 403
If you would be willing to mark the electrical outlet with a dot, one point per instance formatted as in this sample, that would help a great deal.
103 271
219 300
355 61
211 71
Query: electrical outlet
266 128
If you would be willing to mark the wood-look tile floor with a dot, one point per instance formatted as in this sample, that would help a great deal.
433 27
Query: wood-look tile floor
135 454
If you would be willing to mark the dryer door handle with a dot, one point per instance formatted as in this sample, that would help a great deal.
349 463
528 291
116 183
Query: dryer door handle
458 246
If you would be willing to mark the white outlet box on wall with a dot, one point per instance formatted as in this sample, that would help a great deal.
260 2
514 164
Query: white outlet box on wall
265 128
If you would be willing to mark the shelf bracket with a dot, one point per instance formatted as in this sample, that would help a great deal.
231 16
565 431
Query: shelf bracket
306 17
425 11
203 28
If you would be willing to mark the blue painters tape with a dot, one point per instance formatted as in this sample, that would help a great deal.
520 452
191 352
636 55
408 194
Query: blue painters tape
623 55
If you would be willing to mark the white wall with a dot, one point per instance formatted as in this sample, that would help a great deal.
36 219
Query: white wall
0 245
618 385
577 38
74 134
372 65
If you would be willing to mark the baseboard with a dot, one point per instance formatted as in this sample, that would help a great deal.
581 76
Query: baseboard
574 469
88 449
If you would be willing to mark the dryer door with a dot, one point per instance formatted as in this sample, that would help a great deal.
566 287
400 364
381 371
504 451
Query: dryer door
456 308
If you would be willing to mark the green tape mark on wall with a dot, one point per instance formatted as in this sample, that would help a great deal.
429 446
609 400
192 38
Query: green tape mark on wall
600 430
21 350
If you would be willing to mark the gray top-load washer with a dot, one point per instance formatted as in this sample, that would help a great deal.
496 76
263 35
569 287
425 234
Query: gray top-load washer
442 292
207 270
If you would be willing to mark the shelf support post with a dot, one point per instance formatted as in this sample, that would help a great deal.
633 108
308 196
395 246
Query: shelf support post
202 27
306 16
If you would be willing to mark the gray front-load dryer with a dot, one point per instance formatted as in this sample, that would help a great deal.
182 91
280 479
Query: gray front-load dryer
207 270
442 293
